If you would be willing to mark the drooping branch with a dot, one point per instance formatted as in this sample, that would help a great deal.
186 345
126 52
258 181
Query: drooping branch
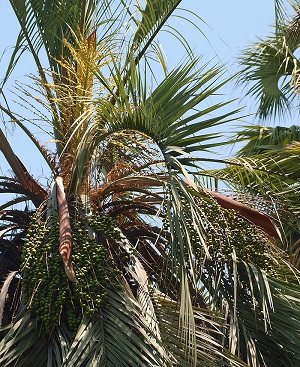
23 176
12 159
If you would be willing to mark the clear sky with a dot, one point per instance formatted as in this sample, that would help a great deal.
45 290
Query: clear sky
228 25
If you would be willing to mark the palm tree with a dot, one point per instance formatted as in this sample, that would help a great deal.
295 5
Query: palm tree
124 258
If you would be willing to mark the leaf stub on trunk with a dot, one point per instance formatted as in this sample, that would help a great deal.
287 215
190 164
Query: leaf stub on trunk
65 234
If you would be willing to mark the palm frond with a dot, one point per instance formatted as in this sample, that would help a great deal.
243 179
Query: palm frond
255 327
208 326
271 67
118 337
161 116
266 68
11 186
262 138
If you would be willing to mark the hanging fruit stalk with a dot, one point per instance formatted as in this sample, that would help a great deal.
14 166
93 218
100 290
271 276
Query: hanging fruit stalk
65 234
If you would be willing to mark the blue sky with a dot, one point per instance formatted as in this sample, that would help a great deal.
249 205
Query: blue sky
229 26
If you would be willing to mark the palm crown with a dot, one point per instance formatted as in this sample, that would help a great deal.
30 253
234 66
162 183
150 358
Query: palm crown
126 259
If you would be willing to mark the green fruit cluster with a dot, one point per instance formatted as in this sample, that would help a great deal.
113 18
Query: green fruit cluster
227 233
45 285
94 269
50 296
224 233
104 225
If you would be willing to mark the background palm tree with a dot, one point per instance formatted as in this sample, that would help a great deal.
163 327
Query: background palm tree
125 258
264 172
270 67
268 166
268 163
